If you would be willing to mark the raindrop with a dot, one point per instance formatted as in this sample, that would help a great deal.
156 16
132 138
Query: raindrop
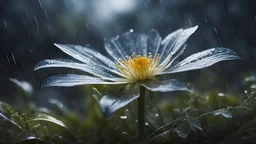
36 20
40 3
5 23
46 14
246 93
205 20
160 1
87 25
189 20
221 94
156 115
13 59
7 58
215 30
123 117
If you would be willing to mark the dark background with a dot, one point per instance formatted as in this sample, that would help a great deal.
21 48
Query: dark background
28 29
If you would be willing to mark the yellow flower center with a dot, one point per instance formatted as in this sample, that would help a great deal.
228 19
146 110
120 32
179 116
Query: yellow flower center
140 63
138 67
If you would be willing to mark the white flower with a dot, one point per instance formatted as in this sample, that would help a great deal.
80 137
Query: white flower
139 58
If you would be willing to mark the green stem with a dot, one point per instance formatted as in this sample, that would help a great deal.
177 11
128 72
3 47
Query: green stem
141 114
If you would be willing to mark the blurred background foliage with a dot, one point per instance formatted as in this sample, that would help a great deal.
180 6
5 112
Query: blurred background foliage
220 108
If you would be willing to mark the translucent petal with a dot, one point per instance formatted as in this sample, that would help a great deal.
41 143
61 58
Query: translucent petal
68 80
170 59
203 59
174 57
118 98
94 70
174 41
165 85
167 42
86 55
140 43
153 42
114 48
126 44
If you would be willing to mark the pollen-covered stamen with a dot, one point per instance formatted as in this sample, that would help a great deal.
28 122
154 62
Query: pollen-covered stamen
162 65
138 67
154 65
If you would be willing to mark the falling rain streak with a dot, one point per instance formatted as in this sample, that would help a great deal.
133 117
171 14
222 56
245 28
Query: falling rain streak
36 20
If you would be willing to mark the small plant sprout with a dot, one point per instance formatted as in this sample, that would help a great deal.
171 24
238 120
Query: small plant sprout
138 60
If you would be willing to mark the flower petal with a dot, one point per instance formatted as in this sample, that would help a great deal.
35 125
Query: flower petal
203 59
86 55
68 80
165 85
94 70
153 42
118 98
140 41
173 42
126 44
174 57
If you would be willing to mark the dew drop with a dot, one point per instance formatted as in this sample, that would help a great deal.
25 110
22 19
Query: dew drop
123 117
221 94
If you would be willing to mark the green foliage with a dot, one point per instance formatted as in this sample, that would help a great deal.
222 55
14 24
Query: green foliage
198 117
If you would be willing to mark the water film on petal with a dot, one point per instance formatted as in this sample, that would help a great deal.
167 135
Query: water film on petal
126 44
173 42
153 42
94 70
68 80
86 55
203 59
